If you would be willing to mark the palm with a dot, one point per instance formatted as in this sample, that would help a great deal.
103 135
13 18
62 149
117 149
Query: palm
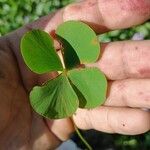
19 126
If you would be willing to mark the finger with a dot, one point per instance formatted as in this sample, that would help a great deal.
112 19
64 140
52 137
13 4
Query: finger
127 59
101 15
130 92
104 15
61 128
114 120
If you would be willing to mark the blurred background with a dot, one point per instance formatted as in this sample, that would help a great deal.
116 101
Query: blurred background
15 13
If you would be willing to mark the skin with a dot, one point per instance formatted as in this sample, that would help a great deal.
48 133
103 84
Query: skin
126 65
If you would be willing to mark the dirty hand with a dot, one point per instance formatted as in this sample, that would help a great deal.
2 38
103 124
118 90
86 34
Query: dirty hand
126 65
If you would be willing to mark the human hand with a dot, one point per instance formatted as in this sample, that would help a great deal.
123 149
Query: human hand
126 65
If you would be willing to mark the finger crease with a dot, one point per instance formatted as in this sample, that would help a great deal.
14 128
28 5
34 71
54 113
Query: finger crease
124 62
100 16
99 13
107 120
123 94
91 119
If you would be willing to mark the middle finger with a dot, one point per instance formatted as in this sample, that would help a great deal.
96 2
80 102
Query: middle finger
126 59
129 92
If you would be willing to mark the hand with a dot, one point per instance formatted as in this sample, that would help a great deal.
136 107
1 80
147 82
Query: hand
126 65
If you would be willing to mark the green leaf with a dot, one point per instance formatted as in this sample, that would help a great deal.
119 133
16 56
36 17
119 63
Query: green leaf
70 57
90 86
82 39
55 100
38 52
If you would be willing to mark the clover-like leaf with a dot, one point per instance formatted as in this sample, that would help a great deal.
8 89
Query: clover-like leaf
90 86
56 99
82 39
82 87
38 51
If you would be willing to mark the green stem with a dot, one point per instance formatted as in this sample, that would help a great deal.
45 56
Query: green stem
81 137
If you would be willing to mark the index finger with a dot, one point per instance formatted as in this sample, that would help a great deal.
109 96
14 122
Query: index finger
100 15
103 15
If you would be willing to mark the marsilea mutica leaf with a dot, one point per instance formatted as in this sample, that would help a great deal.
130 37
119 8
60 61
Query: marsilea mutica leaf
56 99
38 51
90 86
74 87
82 39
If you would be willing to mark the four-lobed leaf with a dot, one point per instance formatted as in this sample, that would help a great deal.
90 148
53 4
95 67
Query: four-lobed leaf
73 88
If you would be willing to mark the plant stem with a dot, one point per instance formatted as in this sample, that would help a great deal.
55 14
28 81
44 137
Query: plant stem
81 137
